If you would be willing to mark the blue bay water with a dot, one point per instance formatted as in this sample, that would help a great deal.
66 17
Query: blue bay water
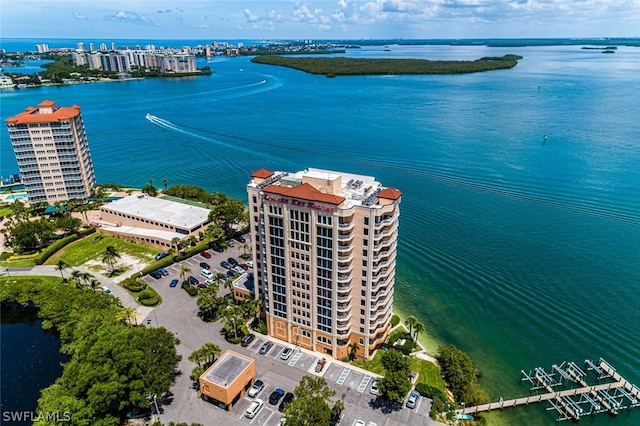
522 250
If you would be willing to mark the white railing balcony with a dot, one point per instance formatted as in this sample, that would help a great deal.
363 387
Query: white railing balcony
345 226
345 237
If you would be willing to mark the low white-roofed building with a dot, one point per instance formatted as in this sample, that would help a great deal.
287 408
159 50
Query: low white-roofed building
151 220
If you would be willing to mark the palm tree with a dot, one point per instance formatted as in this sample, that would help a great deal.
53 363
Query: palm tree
218 277
61 266
184 270
353 349
126 314
109 257
94 284
175 241
210 350
411 321
245 246
165 182
76 276
418 327
228 284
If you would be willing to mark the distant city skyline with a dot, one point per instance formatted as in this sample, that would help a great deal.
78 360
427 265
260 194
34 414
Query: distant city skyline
319 19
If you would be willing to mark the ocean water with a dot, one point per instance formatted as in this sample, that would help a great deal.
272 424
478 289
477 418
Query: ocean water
520 219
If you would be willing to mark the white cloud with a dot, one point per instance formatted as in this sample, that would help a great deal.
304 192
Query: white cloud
80 16
130 17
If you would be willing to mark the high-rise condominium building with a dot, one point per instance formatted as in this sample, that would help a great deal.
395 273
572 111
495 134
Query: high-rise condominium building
324 250
53 156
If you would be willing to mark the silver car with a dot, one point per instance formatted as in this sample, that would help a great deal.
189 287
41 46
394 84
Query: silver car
286 353
254 409
255 389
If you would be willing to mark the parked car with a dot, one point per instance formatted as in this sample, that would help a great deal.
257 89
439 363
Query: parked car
206 255
163 271
244 266
359 423
320 364
254 390
265 347
201 286
232 261
228 275
336 416
374 387
173 283
193 280
414 396
246 340
161 255
205 265
207 274
240 239
225 265
275 396
250 263
254 408
218 249
237 270
286 353
229 243
287 399
106 290
155 274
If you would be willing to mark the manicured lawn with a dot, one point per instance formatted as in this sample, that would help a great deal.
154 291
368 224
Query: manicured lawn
92 247
18 263
428 373
40 279
4 211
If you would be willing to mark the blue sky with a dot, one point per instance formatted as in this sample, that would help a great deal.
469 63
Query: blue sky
331 19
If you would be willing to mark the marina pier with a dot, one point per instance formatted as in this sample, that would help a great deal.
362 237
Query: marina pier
573 391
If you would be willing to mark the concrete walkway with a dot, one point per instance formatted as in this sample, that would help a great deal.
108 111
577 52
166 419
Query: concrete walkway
141 312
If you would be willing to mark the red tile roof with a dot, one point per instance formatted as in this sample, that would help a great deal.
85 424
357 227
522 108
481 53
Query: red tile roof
46 103
390 194
262 174
305 191
31 115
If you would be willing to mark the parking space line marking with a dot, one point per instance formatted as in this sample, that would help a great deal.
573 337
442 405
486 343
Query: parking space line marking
361 388
327 368
295 359
270 415
280 353
312 364
419 402
341 380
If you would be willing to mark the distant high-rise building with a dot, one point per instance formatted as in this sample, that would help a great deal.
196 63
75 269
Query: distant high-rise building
42 48
52 151
103 47
92 48
113 46
81 47
324 253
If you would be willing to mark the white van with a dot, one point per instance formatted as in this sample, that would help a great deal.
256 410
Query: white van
207 274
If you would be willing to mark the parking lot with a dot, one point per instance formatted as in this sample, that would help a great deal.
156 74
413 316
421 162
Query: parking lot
178 313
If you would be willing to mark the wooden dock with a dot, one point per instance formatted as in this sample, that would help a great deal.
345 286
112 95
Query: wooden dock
571 404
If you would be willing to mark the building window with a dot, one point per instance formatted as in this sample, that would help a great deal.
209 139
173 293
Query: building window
364 263
364 283
366 220
361 341
255 200
366 231
361 311
364 253
365 242
363 293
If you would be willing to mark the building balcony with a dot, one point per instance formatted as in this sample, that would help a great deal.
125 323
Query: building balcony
342 333
343 317
344 299
344 278
344 288
346 226
385 232
342 342
382 303
343 326
381 321
385 220
383 244
344 247
345 269
345 237
346 258
380 254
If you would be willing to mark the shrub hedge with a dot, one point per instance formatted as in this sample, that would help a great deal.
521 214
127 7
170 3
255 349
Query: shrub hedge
149 297
190 289
395 320
53 248
431 392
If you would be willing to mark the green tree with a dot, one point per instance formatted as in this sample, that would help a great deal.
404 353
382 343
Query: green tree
149 189
208 302
418 328
68 224
459 373
394 386
110 256
410 322
395 361
61 266
165 182
175 242
29 235
184 272
313 403
229 214
76 276
353 350
94 284
245 247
